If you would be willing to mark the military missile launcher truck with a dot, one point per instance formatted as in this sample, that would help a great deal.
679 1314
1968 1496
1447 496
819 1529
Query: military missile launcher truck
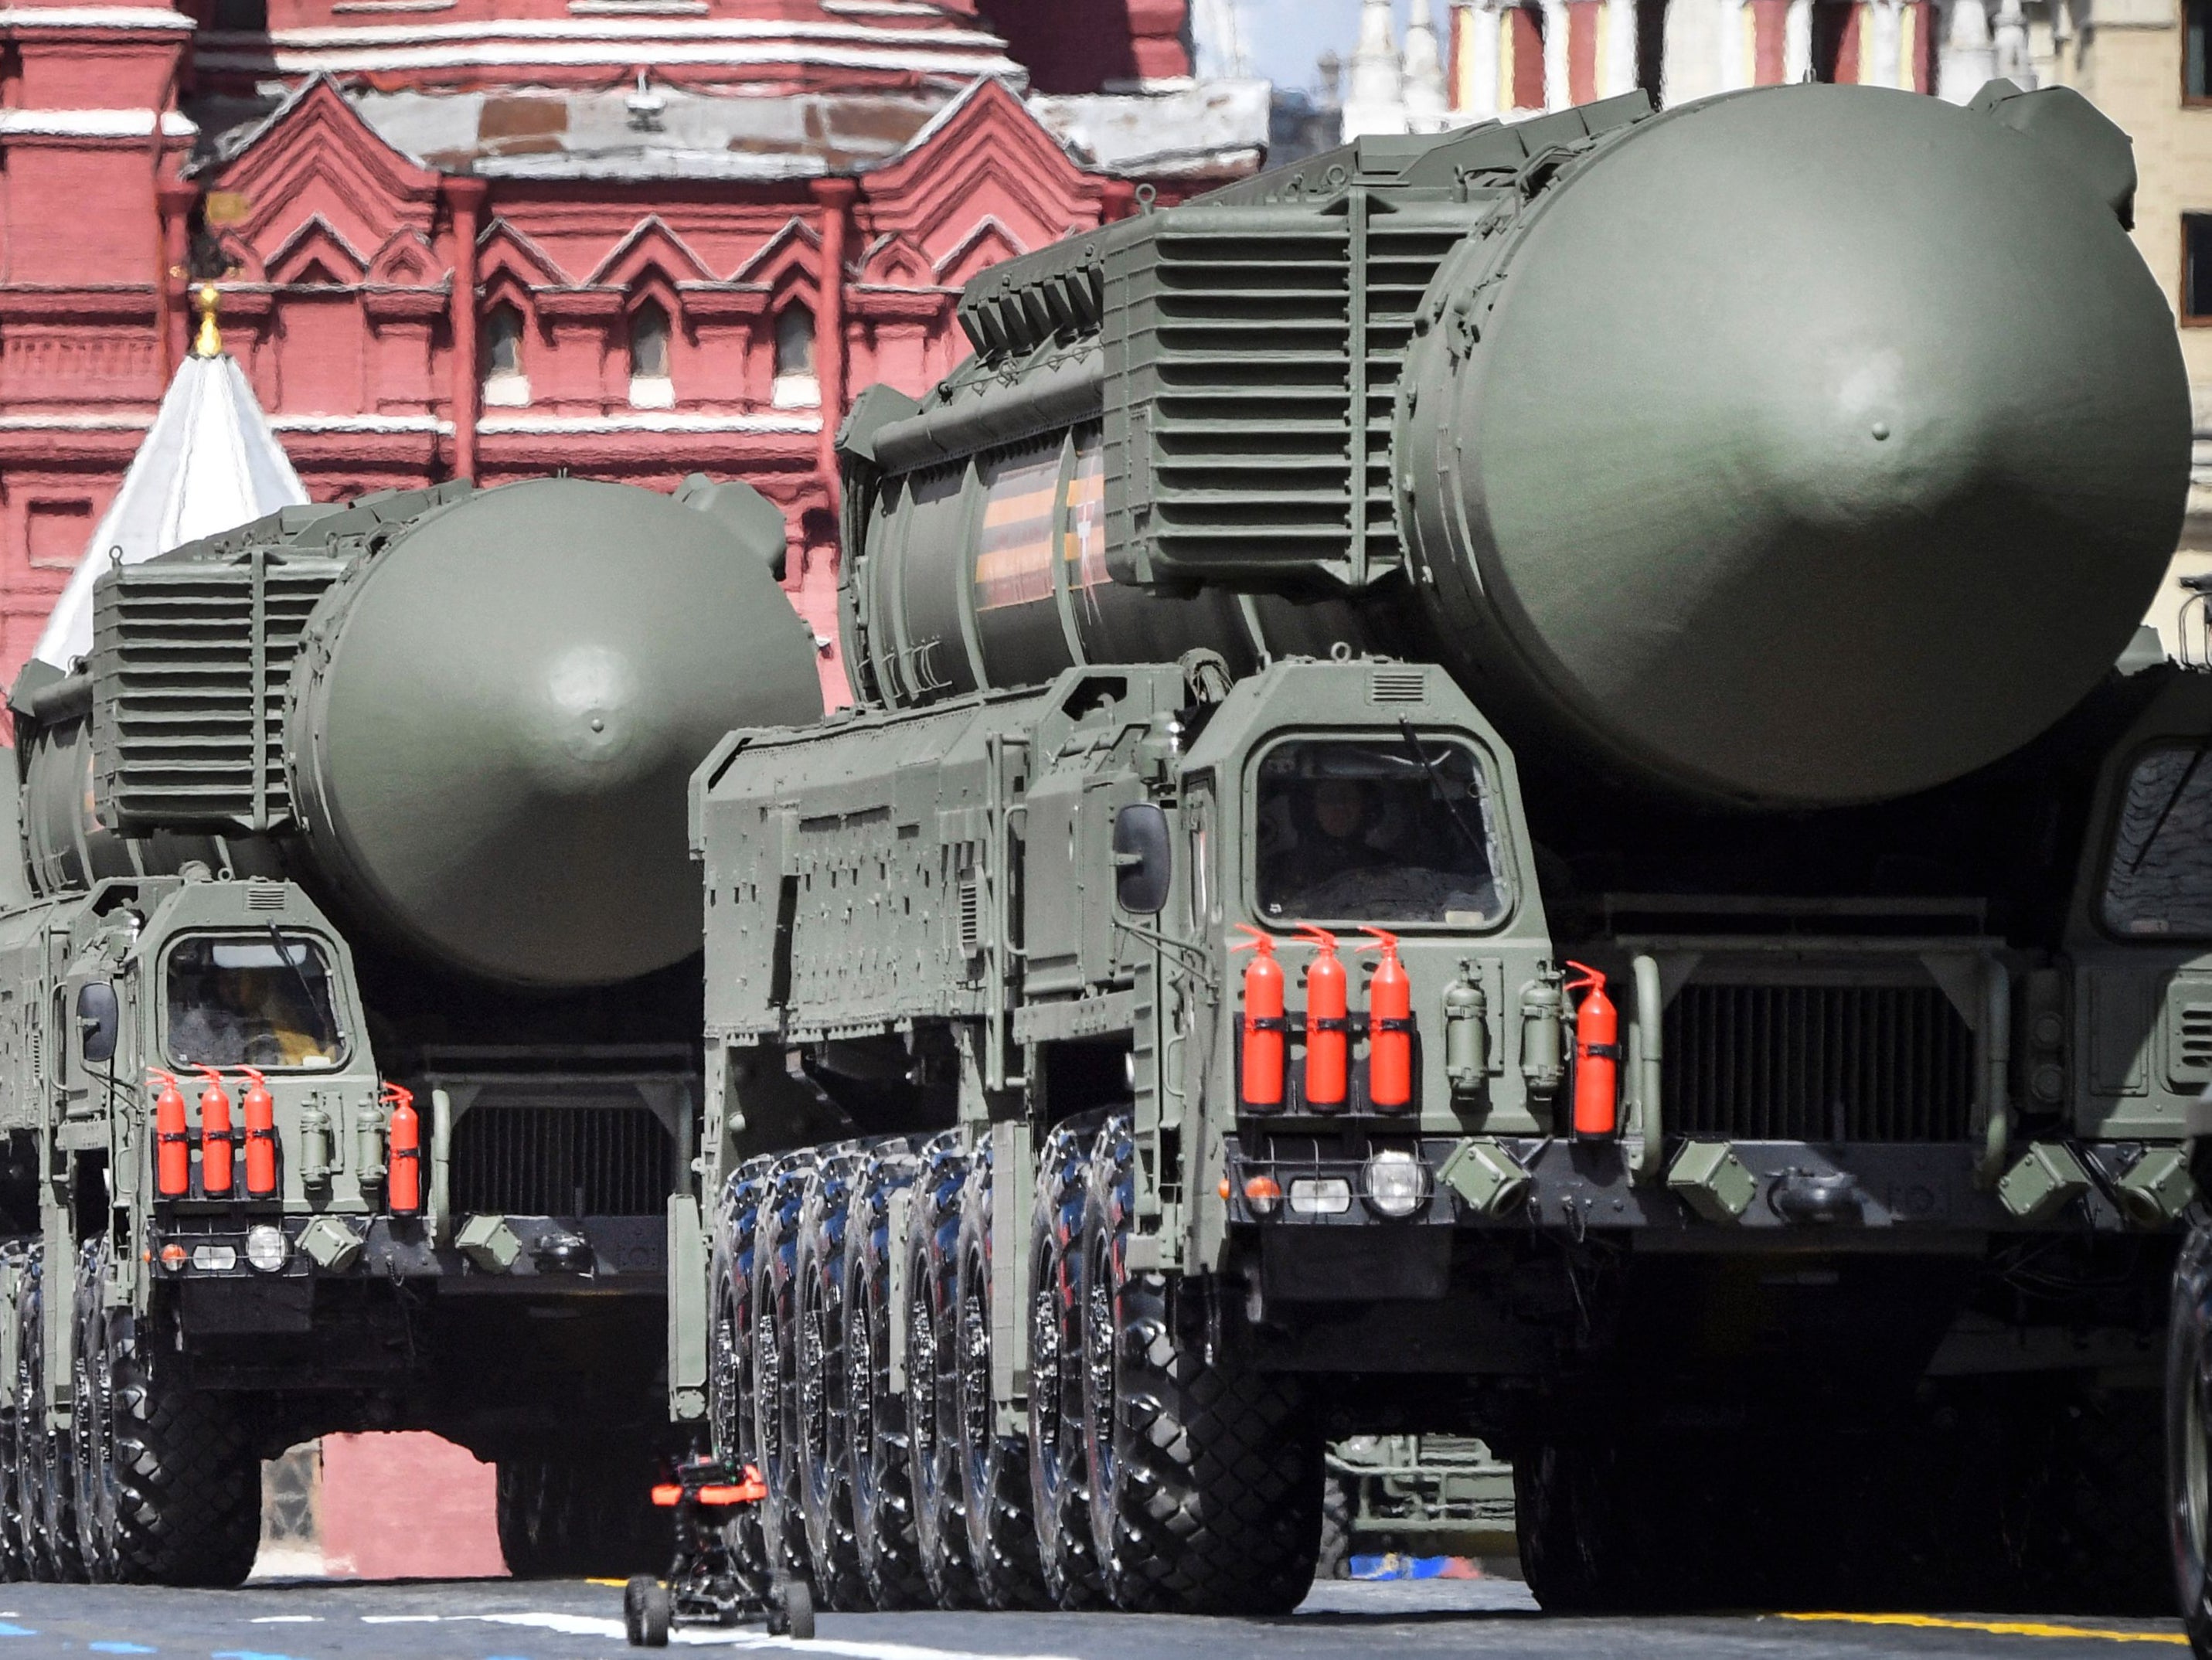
1675 559
349 805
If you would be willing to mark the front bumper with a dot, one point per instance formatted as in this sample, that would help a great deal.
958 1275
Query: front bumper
1883 1194
617 1253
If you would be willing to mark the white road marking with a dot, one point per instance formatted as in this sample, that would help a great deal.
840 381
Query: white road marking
285 1619
402 1619
582 1625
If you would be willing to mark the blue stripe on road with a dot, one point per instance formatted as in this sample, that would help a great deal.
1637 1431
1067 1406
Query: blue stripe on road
120 1648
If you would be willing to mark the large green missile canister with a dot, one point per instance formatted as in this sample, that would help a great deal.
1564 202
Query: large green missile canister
1803 447
468 719
495 721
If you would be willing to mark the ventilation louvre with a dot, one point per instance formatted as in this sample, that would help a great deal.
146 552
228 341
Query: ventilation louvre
567 1161
193 659
1819 1063
1397 686
2193 1038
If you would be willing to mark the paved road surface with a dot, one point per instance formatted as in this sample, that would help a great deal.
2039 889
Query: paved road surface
501 1619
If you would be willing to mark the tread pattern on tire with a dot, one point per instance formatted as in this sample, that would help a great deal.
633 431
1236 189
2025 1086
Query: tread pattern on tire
188 1472
1059 1493
1002 1535
730 1385
1206 1476
821 1418
776 1361
2188 1416
932 1413
876 1447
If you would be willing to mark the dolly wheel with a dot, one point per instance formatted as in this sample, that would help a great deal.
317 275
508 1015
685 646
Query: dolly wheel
795 1610
646 1612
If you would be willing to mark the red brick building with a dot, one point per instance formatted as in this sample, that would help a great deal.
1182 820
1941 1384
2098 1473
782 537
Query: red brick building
629 238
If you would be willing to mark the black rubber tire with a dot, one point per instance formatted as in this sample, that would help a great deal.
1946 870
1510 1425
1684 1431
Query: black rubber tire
798 1618
823 1465
1059 1491
1334 1561
50 1480
648 1611
1204 1473
92 1421
186 1473
994 1476
933 1380
885 1543
776 1414
732 1404
566 1518
2188 1436
16 1531
2114 1509
1573 1508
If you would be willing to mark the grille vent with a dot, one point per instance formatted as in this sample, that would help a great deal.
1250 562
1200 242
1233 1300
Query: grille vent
971 915
2193 1039
1397 686
264 895
193 659
518 1160
1819 1063
1252 363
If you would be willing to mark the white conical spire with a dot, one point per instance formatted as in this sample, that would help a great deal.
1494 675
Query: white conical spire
1376 102
1427 105
210 462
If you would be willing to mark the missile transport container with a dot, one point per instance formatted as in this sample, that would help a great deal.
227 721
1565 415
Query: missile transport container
1671 573
367 826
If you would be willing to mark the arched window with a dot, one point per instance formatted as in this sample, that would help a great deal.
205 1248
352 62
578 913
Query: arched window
650 386
504 383
795 385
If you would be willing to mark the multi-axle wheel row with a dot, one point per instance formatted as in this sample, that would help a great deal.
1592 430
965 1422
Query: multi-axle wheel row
148 1482
1154 1470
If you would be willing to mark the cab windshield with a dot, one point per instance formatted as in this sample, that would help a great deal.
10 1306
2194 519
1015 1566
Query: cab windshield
1376 830
244 1002
2159 884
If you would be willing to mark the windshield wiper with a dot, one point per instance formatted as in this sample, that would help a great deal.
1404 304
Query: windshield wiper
284 955
2157 824
1468 832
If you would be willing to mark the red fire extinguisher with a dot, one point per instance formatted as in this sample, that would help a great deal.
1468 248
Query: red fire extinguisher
1328 1025
1262 1026
216 1135
259 1108
1597 1055
1389 1027
405 1185
173 1140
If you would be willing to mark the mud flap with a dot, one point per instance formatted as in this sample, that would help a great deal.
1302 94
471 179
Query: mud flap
688 1296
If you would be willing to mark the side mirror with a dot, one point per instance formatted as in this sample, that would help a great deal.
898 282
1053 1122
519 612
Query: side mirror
1144 861
98 1020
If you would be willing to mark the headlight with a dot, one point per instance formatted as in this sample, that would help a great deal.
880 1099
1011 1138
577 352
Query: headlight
1397 1183
215 1259
266 1248
1322 1195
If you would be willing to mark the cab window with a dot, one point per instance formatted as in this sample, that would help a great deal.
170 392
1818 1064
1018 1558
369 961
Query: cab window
2159 884
1376 830
245 1002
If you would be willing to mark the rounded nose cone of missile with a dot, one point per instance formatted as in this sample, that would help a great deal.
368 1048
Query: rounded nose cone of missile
1832 443
517 694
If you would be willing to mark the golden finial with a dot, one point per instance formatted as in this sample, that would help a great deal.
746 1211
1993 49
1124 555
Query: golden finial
208 342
